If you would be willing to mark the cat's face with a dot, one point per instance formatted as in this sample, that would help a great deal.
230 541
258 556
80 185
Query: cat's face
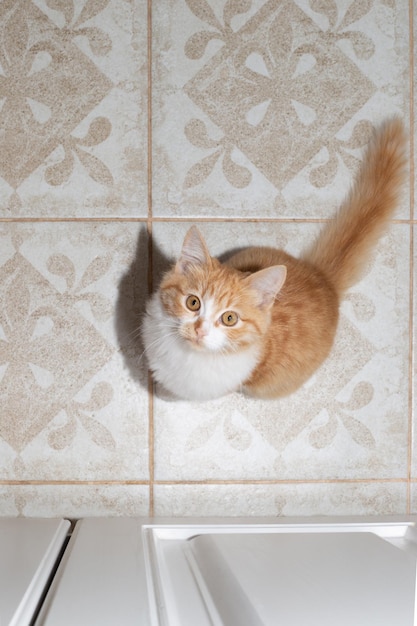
214 307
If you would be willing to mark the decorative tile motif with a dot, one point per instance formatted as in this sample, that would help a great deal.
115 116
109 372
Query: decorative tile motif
59 356
55 123
287 500
75 501
39 111
34 387
267 96
265 86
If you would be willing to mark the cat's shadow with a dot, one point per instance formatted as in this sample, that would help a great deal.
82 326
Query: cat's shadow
133 293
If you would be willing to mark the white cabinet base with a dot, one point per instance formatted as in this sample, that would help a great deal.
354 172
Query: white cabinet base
243 572
29 549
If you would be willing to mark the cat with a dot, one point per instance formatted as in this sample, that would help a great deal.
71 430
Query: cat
264 321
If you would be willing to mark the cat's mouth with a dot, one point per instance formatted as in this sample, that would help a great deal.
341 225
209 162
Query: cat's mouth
201 341
201 344
198 343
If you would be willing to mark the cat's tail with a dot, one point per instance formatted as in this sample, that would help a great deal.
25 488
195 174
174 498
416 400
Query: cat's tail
345 243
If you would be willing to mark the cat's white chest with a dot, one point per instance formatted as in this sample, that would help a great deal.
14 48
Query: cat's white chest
186 372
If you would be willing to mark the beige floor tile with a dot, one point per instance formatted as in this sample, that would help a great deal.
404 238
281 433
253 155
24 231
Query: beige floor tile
262 113
349 421
74 103
74 501
72 403
281 500
414 366
413 498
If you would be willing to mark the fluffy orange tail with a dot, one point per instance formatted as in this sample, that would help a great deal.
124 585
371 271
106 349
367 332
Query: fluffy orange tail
346 242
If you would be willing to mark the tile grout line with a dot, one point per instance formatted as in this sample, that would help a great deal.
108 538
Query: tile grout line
72 483
411 277
212 481
256 220
281 482
149 220
48 220
151 437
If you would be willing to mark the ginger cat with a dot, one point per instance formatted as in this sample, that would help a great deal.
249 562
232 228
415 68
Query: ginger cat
263 322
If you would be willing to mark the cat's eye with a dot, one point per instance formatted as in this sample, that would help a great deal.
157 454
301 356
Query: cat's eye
193 303
229 318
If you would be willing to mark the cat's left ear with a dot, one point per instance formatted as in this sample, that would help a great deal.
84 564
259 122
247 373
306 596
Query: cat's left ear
267 283
194 251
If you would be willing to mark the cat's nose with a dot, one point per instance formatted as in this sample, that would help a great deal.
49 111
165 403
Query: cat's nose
200 332
201 329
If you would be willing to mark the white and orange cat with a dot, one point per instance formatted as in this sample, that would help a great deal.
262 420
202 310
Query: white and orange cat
264 321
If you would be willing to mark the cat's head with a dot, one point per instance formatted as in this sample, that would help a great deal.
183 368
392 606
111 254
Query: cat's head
218 308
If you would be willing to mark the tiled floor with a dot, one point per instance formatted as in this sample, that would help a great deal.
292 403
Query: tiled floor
122 122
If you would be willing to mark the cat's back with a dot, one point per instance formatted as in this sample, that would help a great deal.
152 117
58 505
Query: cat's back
303 322
301 274
305 291
255 258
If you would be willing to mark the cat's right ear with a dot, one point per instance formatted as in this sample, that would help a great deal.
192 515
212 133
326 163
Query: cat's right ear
194 251
267 283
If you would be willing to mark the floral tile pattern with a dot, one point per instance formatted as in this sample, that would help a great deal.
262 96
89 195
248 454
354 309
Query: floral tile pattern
121 123
72 114
289 500
245 116
70 406
75 501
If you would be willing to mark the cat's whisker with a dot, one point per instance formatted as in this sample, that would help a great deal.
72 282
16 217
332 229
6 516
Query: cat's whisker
136 333
132 339
157 342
